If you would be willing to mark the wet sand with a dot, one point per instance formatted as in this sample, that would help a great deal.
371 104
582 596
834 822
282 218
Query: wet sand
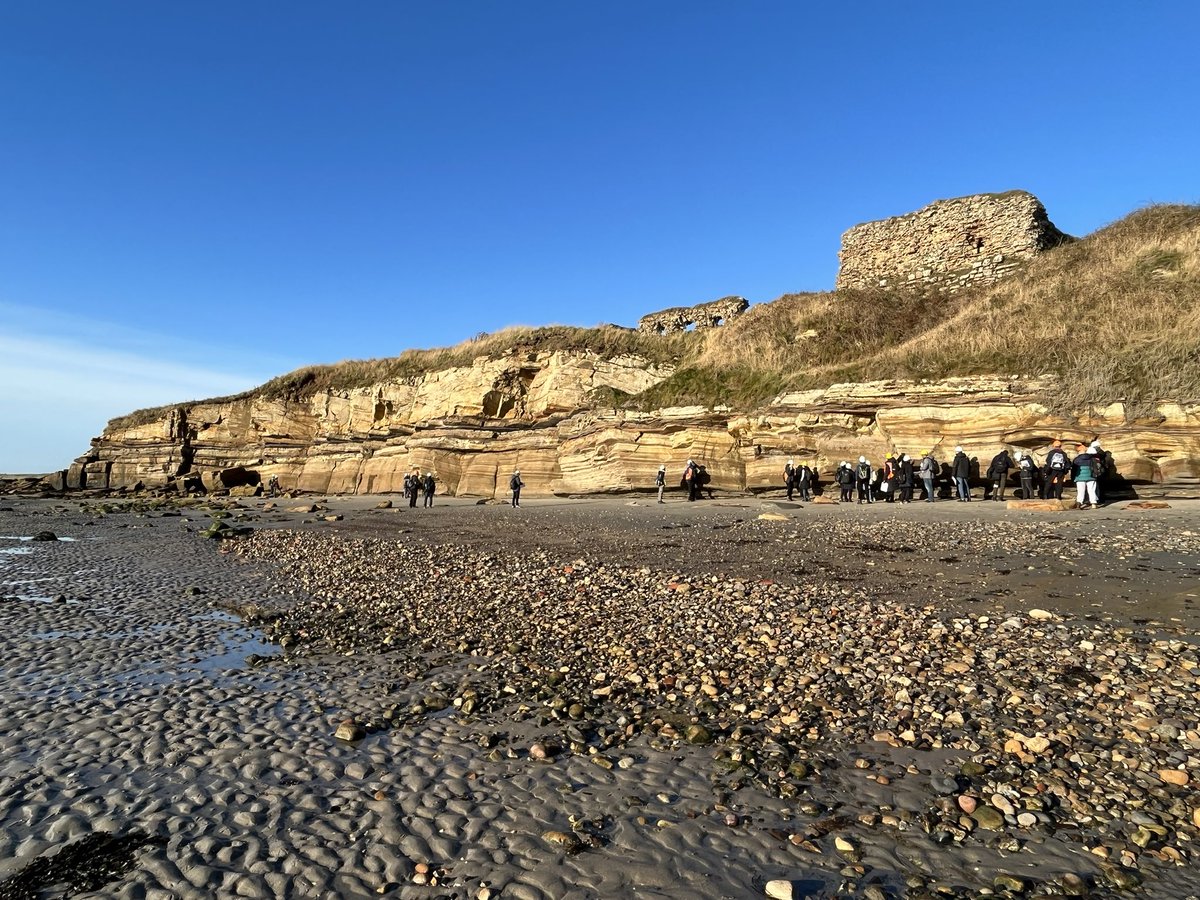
134 701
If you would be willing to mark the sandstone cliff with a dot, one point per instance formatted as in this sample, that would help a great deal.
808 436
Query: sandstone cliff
1102 331
364 441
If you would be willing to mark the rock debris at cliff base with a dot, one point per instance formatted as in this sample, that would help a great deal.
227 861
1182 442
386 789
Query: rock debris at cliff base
139 704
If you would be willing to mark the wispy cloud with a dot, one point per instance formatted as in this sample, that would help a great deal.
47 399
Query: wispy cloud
57 392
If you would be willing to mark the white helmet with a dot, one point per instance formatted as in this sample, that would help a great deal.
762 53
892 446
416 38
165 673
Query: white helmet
958 450
862 459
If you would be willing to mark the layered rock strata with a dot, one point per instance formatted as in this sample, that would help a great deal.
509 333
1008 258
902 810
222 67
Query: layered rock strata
538 412
949 244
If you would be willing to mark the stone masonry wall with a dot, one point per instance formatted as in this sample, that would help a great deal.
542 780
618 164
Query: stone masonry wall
702 315
949 244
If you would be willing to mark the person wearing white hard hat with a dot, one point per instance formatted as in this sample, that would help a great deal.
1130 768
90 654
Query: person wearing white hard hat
660 481
845 480
515 484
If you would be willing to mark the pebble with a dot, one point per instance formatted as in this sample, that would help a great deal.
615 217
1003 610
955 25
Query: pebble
349 730
988 818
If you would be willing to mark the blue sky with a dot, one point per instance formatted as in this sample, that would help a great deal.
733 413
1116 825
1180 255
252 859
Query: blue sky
197 197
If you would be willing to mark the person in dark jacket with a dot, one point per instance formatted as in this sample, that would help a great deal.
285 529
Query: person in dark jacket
1026 469
691 479
804 482
515 484
1054 475
430 485
414 487
1105 469
864 476
845 480
960 467
906 479
998 473
789 477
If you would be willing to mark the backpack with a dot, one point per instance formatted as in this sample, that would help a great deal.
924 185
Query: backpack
864 471
514 482
1026 464
1057 460
928 465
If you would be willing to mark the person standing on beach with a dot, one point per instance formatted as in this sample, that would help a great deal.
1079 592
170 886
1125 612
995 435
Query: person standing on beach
1025 469
691 480
660 482
929 470
804 482
998 473
789 477
515 484
1083 471
888 483
863 475
414 488
845 480
1057 466
906 479
430 485
961 469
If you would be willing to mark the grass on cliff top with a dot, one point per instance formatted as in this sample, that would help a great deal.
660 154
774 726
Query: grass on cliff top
1116 315
607 341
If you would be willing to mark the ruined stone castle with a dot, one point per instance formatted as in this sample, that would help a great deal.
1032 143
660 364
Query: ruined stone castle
948 244
702 315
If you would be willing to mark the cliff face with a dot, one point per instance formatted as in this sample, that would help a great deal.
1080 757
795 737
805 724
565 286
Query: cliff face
548 411
535 411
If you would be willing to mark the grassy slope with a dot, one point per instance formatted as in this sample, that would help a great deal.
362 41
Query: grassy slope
1117 315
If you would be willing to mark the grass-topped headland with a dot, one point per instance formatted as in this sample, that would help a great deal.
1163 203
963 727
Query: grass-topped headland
1115 315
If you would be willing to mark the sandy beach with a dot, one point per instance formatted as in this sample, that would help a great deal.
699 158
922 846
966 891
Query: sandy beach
597 698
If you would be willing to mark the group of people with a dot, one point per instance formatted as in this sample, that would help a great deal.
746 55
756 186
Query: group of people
896 481
417 485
